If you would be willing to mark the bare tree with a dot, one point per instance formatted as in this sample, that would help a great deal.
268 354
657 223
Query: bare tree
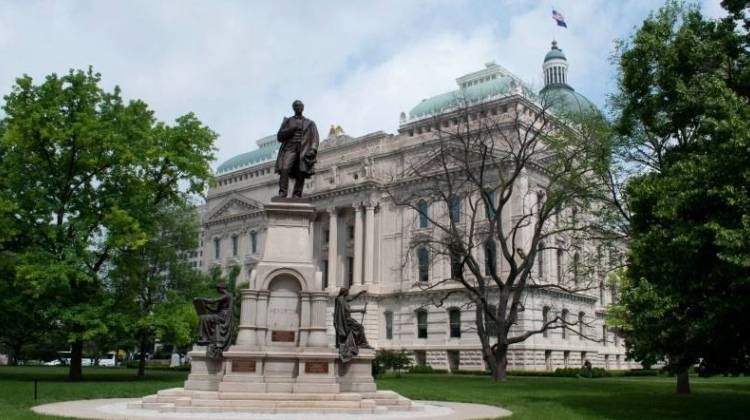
497 188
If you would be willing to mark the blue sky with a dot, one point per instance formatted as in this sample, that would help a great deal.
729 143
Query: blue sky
239 64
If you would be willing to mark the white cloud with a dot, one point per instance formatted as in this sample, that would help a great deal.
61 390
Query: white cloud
238 65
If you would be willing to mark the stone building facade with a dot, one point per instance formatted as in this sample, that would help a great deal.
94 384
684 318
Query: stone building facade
361 239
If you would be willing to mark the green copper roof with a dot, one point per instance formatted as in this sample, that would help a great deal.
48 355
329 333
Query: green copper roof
554 52
562 98
502 85
267 149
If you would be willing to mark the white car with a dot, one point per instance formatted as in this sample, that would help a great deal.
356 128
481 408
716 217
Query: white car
56 362
108 360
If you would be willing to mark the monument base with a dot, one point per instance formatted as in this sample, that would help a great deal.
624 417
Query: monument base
282 361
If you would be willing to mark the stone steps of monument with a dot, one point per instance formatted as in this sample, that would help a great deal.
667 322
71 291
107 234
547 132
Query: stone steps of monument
151 405
327 410
282 404
284 396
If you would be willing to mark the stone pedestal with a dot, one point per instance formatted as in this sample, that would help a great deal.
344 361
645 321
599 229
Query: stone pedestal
205 373
282 359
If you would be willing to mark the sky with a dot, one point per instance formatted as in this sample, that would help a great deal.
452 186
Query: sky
238 65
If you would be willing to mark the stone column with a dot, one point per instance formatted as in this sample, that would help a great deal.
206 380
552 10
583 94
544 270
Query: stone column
318 337
369 241
261 325
305 318
333 248
357 243
247 335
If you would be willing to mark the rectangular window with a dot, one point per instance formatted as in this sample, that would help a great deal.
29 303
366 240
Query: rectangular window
350 232
489 204
489 324
349 271
422 324
422 209
235 245
455 210
325 274
326 235
454 317
490 257
217 248
604 335
566 359
254 242
389 325
424 264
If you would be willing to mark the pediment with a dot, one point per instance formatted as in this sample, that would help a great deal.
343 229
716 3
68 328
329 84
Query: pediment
234 205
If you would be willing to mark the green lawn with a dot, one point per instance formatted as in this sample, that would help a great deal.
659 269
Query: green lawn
528 397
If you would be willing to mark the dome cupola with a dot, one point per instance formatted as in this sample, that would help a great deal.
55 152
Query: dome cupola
555 67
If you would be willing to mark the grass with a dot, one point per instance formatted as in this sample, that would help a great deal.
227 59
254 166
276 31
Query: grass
17 386
571 398
528 397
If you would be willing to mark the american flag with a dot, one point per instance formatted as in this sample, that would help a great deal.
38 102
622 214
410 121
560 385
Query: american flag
559 19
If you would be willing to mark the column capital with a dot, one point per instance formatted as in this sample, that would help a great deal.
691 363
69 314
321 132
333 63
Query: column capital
357 206
370 204
333 211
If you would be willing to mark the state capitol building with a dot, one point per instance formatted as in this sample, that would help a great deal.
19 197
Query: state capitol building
361 239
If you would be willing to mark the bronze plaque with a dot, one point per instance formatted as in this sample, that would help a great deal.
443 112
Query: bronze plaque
282 336
243 365
316 367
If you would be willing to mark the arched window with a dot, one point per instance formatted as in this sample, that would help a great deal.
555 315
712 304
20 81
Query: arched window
545 319
421 323
454 320
254 242
489 324
540 261
454 209
423 263
235 245
581 315
564 317
490 257
422 209
217 248
388 325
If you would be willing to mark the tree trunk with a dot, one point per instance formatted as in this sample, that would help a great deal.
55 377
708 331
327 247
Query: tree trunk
75 373
501 364
683 382
142 361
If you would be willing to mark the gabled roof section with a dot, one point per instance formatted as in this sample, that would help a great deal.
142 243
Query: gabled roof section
233 205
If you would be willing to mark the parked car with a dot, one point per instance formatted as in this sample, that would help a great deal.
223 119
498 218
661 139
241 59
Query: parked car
108 360
56 362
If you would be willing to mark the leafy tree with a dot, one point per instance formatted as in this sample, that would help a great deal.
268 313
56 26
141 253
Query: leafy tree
682 108
86 172
154 283
496 192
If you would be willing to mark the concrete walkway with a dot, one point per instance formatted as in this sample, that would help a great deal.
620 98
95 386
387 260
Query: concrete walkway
116 409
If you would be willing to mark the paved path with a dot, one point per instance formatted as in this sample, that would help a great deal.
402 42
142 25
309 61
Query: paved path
116 409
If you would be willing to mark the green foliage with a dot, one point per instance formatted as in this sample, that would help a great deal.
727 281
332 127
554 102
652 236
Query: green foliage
426 369
392 360
683 111
84 174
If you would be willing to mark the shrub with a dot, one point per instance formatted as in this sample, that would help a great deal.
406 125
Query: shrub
426 369
391 360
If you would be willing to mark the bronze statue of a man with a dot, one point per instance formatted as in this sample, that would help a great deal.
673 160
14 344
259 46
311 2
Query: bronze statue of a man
215 321
350 334
299 147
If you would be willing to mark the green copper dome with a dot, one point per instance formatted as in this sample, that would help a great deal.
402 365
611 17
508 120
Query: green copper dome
554 53
564 99
267 149
500 85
